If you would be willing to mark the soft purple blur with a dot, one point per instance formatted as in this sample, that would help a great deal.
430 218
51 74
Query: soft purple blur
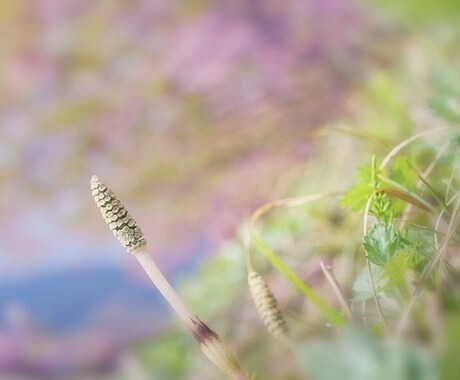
189 111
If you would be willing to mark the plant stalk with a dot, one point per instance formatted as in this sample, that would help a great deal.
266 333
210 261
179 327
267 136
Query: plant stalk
129 234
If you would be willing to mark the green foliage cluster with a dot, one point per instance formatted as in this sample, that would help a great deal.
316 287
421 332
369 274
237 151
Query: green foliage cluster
409 200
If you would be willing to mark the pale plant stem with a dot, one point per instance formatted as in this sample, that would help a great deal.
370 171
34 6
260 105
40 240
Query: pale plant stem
247 250
418 199
369 266
337 290
289 202
376 298
393 152
448 187
209 342
361 134
426 173
436 228
167 291
125 229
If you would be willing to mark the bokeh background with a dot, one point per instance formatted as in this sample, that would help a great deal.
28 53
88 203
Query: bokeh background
195 113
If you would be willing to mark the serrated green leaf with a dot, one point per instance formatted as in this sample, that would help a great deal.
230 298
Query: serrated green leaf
402 172
382 242
395 270
356 197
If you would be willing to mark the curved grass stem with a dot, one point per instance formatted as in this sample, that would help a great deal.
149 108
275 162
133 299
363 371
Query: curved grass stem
394 152
416 199
335 317
251 235
331 279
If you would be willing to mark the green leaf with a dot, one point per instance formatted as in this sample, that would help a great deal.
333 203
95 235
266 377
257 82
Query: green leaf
394 271
356 197
382 242
402 172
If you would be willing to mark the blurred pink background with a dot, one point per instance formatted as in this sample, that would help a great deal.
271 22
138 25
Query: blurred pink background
188 110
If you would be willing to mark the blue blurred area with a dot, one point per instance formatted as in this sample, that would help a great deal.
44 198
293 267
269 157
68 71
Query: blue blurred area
65 300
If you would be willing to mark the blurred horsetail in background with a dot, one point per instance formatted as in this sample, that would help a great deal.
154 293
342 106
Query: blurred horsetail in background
267 306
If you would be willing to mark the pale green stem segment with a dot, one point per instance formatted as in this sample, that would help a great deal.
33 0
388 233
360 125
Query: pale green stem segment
333 316
397 186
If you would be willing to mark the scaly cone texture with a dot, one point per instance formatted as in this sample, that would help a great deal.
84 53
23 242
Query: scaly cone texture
267 306
130 235
117 217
